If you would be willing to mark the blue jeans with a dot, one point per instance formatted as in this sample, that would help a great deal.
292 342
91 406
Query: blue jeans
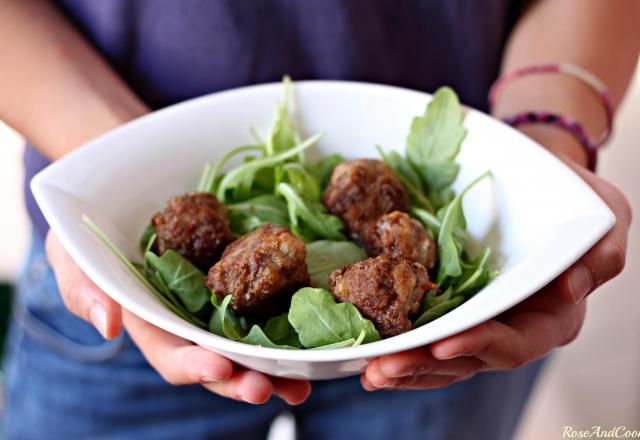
65 382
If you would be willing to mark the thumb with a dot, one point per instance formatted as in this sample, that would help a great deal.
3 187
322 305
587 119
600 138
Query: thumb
81 296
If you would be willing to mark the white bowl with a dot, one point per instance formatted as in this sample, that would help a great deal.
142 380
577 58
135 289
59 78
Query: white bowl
536 213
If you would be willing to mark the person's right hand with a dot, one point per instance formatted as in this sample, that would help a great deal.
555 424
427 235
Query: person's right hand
177 360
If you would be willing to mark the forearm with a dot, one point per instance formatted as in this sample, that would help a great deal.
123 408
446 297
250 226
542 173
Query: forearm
602 37
55 88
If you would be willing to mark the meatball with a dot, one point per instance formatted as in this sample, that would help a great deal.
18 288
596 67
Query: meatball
261 271
397 235
385 290
196 226
362 190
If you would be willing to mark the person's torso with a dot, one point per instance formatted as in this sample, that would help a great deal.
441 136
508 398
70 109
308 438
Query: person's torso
169 51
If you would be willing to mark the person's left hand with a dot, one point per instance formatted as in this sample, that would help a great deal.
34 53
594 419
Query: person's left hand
550 318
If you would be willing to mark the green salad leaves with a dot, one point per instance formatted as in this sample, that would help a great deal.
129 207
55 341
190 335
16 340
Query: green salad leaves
274 182
325 256
433 144
320 321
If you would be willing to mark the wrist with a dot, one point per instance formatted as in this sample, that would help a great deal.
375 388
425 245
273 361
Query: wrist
568 97
559 142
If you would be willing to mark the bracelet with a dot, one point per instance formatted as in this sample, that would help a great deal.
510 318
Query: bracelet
577 72
566 123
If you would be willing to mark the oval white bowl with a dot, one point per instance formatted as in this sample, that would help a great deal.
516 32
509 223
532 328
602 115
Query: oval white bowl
536 213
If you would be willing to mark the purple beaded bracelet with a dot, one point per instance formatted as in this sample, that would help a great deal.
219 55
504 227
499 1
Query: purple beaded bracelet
566 123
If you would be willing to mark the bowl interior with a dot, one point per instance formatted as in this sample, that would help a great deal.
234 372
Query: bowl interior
538 216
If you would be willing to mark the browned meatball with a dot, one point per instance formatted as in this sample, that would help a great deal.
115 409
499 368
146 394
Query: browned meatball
385 290
196 226
261 271
397 235
362 190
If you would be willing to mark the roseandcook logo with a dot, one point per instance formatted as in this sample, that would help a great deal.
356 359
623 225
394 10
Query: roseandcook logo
600 432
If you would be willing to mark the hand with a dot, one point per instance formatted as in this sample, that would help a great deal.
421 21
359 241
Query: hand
177 360
550 318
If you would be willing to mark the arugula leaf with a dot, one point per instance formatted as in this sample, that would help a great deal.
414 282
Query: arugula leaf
477 275
325 256
440 305
432 224
182 278
279 330
360 338
160 284
257 337
342 344
147 238
238 181
146 243
408 177
300 179
434 142
323 168
224 322
449 247
282 134
210 178
138 273
310 220
253 213
320 321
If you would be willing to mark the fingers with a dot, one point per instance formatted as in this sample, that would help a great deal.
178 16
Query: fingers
294 392
245 385
420 361
180 362
80 295
401 370
254 387
416 382
522 338
607 258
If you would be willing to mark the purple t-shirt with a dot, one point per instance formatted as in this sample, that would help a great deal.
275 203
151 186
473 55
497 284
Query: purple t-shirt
169 50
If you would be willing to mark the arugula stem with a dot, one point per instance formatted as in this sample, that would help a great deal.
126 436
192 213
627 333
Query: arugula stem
256 136
202 182
215 170
262 163
416 193
129 265
431 221
249 207
152 240
481 266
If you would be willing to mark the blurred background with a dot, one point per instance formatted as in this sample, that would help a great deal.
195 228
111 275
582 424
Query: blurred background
594 381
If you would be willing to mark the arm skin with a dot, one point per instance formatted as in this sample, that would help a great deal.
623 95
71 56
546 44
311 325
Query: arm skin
604 38
59 93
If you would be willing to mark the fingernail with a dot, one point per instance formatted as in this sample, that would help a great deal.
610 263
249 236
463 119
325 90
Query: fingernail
245 397
205 378
412 370
391 383
580 282
455 355
98 317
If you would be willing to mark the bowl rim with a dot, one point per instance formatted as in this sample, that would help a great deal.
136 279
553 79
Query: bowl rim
177 326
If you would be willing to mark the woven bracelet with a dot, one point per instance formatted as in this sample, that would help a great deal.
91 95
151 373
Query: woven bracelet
566 123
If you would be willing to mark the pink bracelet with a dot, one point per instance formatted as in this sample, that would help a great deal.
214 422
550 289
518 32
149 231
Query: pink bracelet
568 69
561 121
